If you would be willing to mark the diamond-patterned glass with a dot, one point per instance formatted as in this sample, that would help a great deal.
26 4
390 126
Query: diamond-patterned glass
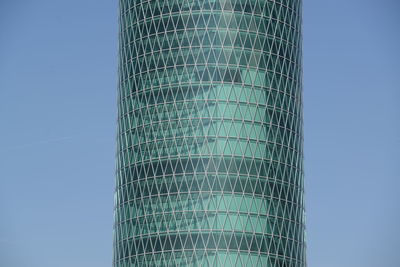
210 145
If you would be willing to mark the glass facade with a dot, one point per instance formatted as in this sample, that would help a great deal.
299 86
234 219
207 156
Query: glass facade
210 145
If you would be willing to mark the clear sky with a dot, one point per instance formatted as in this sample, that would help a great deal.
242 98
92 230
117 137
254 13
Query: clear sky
58 78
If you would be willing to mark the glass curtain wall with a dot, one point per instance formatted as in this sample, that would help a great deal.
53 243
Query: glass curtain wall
209 153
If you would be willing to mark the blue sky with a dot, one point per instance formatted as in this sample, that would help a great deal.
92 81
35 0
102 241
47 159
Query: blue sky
58 77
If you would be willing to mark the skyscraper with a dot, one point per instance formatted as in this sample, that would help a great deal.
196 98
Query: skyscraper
210 150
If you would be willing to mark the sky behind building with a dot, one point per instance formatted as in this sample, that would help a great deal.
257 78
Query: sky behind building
58 79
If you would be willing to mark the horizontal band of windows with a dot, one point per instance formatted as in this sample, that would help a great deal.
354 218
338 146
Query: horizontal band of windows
198 75
169 224
229 164
135 150
209 20
180 161
207 98
215 165
206 114
171 142
234 182
211 60
261 244
148 128
131 91
265 8
210 54
293 178
129 162
147 217
196 118
181 74
201 92
247 60
178 5
211 38
210 93
203 74
181 206
196 131
259 202
216 186
207 258
171 150
208 111
171 41
183 109
184 141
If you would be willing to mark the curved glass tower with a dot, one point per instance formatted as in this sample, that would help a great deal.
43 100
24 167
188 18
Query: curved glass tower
210 152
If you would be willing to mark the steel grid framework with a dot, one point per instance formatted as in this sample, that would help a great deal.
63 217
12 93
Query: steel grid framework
210 145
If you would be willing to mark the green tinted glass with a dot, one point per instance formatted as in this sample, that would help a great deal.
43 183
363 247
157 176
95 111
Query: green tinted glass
209 161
